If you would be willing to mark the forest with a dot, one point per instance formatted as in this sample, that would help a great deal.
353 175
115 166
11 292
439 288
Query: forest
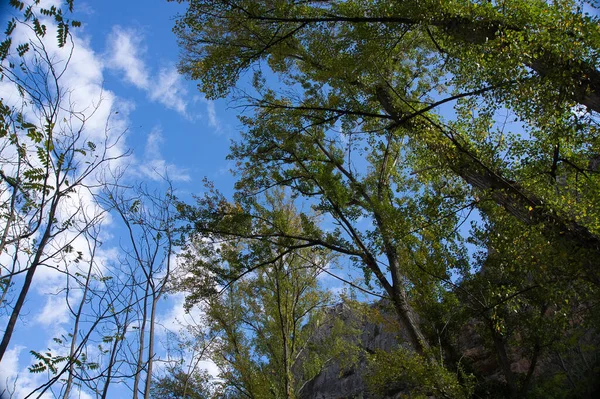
440 159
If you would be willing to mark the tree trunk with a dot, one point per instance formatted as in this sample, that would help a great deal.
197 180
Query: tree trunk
504 360
529 209
151 346
585 77
142 339
28 280
404 310
76 329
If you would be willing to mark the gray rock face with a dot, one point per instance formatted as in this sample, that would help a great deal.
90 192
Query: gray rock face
383 332
340 381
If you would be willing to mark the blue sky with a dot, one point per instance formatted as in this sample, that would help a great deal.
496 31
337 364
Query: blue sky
140 52
124 67
125 55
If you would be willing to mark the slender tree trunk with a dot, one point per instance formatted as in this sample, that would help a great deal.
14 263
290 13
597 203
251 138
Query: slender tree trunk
10 277
151 347
500 347
532 365
283 315
408 318
28 280
115 346
9 220
140 359
403 308
76 329
111 363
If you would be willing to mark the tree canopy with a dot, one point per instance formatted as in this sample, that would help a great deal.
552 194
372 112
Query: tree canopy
399 121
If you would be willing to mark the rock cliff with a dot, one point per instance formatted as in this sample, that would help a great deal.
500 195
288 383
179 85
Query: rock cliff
347 381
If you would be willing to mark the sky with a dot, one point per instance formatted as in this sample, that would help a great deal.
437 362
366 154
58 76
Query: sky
124 64
124 67
171 123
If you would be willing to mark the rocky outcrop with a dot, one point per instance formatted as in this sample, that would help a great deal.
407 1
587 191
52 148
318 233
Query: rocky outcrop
378 330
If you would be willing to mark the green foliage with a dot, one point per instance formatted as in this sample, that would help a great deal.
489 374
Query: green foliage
262 324
177 384
47 362
416 376
416 117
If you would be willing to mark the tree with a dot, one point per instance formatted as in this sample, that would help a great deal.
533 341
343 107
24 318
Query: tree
177 384
382 62
262 323
146 260
362 128
53 171
48 165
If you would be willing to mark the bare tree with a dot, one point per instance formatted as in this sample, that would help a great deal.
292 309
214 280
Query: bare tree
49 163
147 255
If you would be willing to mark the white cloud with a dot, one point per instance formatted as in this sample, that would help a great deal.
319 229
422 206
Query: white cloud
153 142
55 311
177 320
125 51
212 115
86 95
154 166
210 367
17 382
169 90
50 3
10 363
87 113
125 48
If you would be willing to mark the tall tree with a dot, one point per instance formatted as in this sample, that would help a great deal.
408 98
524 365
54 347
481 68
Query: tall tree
147 255
361 126
53 166
262 324
48 165
382 63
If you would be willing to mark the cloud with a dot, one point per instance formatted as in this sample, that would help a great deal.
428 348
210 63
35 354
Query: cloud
187 326
212 114
10 363
87 113
97 120
154 166
15 381
126 52
153 142
169 90
54 312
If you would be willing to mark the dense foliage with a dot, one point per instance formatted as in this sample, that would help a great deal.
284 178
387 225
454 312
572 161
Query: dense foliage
401 123
440 157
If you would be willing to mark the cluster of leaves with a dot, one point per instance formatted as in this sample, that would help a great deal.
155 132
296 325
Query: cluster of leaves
177 384
362 131
417 376
50 363
264 323
29 16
